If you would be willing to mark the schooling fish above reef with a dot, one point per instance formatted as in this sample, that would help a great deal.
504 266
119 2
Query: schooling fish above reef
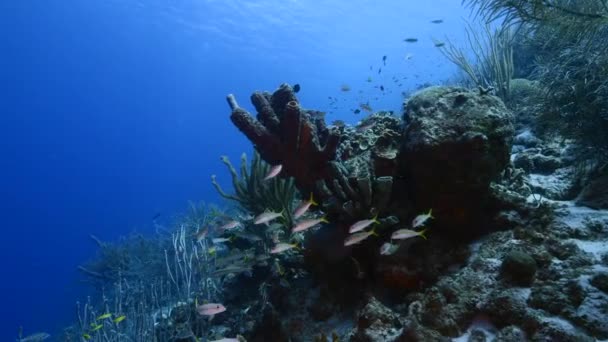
119 319
274 171
201 234
304 225
437 21
366 107
388 248
282 247
360 225
303 207
210 309
266 217
104 316
365 127
410 40
403 234
422 218
229 225
358 237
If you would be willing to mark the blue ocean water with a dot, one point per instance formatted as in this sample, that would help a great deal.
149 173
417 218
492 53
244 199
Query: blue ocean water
112 112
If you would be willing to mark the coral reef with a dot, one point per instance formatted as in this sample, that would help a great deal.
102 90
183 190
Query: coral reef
256 195
542 278
456 143
286 134
380 168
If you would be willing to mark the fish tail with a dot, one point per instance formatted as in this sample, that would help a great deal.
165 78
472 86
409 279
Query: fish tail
421 233
324 219
312 200
431 213
375 219
373 232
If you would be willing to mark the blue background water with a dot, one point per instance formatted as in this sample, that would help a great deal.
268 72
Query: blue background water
114 111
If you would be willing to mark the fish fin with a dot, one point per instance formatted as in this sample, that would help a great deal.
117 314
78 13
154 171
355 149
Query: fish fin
312 200
282 212
373 232
421 233
324 220
375 219
431 213
211 318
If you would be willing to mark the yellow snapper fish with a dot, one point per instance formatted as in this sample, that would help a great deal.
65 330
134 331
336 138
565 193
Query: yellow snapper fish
422 218
119 319
86 336
96 327
104 316
388 248
358 237
221 240
303 207
229 225
201 234
274 171
282 247
360 225
266 217
403 234
303 225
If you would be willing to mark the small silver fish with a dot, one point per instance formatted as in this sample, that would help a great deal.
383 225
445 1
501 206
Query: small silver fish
303 207
210 309
365 127
274 171
266 217
303 225
358 237
360 225
231 270
221 240
403 234
282 247
422 218
388 248
248 236
201 234
230 225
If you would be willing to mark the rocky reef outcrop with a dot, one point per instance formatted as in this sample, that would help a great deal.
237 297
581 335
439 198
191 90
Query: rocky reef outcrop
456 142
543 278
450 145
